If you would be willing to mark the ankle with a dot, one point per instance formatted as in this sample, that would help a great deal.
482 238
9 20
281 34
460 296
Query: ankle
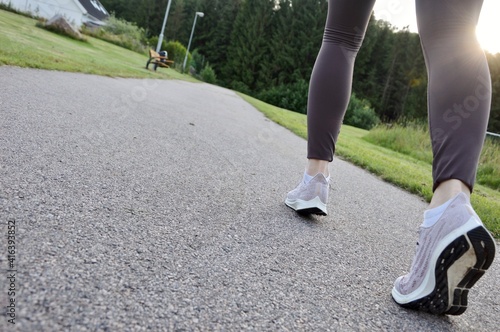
315 166
446 191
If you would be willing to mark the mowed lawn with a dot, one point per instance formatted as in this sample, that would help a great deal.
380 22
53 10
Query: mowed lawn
24 44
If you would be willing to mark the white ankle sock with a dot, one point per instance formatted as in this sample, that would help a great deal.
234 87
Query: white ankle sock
308 178
432 216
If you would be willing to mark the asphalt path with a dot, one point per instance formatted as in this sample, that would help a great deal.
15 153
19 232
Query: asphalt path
157 205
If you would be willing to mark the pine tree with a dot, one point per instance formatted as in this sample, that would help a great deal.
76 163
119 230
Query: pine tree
494 65
214 35
283 61
249 48
176 23
309 17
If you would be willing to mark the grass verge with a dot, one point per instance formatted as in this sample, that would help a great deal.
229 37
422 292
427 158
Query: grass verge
405 171
414 140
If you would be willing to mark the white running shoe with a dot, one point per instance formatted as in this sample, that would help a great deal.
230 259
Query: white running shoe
451 256
310 198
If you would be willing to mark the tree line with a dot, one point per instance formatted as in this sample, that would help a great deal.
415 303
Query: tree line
267 48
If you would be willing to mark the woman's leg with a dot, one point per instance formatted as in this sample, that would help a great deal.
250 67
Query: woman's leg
454 248
331 79
459 96
329 93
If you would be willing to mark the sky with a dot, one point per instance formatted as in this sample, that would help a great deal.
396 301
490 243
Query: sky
401 13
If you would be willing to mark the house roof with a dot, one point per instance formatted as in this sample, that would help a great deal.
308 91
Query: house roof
95 8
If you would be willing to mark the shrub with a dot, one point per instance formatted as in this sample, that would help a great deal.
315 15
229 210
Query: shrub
360 114
208 74
240 86
288 96
60 31
153 42
177 52
199 62
120 32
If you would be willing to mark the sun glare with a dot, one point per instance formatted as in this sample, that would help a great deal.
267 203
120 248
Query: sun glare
488 41
488 29
402 14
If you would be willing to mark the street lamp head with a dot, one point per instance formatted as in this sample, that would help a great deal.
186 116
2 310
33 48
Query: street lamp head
200 14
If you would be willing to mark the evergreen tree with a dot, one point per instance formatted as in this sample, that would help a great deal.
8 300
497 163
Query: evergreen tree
214 35
147 14
296 39
284 58
176 22
415 103
190 9
397 79
364 71
494 65
373 63
249 48
390 72
309 17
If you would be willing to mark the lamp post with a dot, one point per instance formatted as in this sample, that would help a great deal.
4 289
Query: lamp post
200 14
160 38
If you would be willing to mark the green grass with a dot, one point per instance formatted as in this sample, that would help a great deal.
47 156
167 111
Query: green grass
489 165
25 45
414 141
403 170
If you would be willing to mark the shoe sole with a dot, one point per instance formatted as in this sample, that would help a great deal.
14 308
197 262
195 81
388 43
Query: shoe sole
458 267
314 206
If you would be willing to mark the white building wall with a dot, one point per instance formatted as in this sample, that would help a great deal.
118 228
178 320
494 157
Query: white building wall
72 10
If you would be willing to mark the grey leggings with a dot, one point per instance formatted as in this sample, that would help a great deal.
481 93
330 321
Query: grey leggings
459 90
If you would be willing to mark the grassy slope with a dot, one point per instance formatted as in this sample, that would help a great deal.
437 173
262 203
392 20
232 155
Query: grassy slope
23 44
400 169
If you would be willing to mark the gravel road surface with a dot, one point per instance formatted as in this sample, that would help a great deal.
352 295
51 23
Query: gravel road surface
155 205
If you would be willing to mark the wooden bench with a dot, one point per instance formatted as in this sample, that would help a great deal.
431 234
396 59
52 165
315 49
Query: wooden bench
158 60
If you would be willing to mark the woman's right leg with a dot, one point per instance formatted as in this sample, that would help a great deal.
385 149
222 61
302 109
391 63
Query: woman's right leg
454 248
